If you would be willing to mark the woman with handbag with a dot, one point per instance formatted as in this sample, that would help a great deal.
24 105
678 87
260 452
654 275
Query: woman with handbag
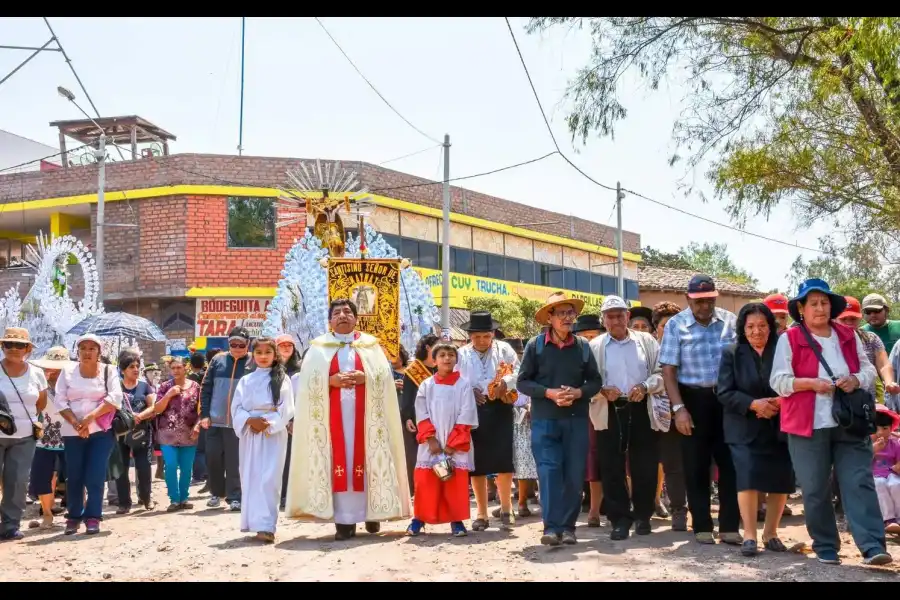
177 414
822 373
25 389
88 394
140 397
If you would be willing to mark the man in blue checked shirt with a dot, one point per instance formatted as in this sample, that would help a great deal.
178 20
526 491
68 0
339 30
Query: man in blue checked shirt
690 353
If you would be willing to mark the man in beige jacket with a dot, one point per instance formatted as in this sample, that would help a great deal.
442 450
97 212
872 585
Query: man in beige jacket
628 415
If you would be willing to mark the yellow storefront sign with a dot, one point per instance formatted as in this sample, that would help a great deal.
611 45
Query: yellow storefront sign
463 287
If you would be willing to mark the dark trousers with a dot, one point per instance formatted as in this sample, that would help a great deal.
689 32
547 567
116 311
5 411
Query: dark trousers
411 446
672 460
222 460
560 448
705 444
285 474
851 458
200 471
629 436
86 464
143 474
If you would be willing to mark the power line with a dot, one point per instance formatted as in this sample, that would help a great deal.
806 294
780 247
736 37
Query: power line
42 158
408 155
633 193
371 85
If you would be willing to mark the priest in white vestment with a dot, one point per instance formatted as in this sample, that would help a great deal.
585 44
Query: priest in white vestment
262 407
348 464
491 367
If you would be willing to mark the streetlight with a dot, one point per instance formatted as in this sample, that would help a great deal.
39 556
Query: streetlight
100 155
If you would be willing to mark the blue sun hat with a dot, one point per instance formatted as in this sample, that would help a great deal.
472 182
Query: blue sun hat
838 302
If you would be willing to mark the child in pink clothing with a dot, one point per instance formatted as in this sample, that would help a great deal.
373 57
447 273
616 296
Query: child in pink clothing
886 468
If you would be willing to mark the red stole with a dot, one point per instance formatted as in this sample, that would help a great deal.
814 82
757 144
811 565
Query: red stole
338 449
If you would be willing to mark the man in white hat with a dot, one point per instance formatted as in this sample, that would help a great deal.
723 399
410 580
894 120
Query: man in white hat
623 414
560 375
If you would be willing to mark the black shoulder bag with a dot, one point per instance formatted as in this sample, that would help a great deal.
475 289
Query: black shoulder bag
139 437
854 411
123 422
37 430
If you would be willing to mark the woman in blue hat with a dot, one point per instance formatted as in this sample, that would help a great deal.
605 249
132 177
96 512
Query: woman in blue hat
816 441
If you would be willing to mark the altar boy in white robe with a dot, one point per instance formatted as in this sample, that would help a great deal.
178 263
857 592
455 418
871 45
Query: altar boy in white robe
261 409
348 464
445 417
491 367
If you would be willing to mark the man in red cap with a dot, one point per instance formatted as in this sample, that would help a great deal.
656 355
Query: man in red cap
778 304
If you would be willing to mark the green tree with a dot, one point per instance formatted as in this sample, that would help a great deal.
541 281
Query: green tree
516 317
251 223
803 109
711 259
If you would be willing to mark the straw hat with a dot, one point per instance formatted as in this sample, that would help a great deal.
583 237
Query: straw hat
17 334
542 316
56 357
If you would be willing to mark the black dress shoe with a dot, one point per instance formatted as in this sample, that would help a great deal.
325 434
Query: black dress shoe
344 532
373 527
642 527
620 532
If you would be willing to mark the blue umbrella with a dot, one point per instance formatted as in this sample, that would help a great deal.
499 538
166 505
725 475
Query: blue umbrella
119 324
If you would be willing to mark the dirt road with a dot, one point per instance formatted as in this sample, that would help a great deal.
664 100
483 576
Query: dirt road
205 545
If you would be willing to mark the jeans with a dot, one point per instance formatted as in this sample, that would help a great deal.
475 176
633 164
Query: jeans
15 465
223 460
143 474
179 465
629 436
705 444
851 457
86 464
560 448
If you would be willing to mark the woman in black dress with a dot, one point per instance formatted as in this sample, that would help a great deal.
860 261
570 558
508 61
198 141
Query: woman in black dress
751 425
420 369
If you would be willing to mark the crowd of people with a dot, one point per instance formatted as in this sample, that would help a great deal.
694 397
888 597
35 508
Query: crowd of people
631 413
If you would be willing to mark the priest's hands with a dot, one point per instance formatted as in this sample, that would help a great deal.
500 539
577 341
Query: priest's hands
347 380
433 446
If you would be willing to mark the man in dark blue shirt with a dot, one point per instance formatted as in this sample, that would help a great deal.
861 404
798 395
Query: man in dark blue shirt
559 374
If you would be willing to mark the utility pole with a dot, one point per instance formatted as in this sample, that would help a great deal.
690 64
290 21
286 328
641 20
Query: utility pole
101 204
445 275
240 147
100 155
620 267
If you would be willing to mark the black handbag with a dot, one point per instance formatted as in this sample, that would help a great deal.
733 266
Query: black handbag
123 422
853 411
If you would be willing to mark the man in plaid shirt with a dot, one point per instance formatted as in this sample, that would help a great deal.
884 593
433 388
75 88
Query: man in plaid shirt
690 353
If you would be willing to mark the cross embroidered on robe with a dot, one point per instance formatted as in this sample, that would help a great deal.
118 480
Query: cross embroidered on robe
338 448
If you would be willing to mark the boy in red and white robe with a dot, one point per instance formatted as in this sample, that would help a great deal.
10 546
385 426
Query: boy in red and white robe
445 415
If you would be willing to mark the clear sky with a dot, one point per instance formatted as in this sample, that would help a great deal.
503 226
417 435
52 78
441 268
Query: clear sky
459 76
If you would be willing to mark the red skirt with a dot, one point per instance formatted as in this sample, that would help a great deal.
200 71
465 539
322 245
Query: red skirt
437 501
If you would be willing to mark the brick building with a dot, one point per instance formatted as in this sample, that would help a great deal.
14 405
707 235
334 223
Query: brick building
182 223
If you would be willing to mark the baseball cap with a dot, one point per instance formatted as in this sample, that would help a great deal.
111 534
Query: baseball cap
702 286
613 303
876 301
777 303
853 310
240 333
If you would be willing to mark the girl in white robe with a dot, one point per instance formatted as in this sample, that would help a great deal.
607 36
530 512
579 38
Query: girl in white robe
262 406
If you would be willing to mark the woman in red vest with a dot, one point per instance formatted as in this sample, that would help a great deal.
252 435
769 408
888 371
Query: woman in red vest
815 440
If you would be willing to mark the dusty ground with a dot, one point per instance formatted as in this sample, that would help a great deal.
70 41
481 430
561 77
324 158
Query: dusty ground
205 545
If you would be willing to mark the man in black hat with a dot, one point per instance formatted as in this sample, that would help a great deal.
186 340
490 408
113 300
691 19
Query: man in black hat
491 367
689 355
216 393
